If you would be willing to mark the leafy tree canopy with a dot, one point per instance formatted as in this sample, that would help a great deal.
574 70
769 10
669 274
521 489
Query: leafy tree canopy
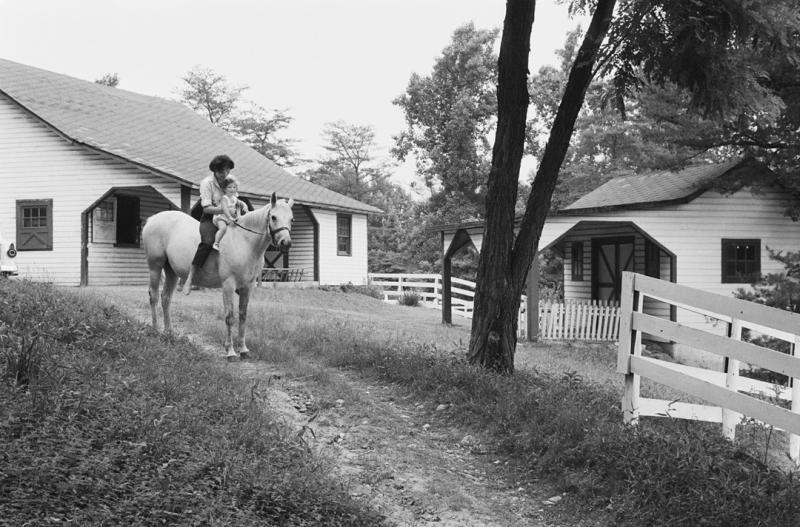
449 116
211 95
712 52
109 79
639 118
349 166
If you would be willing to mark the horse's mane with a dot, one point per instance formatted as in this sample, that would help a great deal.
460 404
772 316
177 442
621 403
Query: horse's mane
256 219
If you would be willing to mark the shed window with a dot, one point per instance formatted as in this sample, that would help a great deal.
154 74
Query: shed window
35 225
741 261
344 223
577 261
652 259
104 211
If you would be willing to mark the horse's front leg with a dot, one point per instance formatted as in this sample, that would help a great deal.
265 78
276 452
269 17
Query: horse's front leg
244 299
227 301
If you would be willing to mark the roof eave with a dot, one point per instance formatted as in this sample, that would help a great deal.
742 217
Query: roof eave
327 206
644 205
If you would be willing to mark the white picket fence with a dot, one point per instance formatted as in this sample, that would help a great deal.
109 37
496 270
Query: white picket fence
732 398
557 321
573 320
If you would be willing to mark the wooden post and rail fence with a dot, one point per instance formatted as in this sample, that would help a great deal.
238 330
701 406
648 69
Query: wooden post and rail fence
588 320
731 396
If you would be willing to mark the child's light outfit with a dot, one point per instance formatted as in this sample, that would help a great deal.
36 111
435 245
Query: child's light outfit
231 205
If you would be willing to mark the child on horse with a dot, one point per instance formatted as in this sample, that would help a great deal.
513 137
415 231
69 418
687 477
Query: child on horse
231 205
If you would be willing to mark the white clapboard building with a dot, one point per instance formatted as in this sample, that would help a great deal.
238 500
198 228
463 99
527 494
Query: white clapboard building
82 167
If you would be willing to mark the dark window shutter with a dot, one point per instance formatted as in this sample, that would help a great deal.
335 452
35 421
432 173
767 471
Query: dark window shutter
35 225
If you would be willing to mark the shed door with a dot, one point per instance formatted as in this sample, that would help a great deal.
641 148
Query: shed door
610 257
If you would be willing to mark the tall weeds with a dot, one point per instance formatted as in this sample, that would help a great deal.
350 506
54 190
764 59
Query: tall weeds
105 422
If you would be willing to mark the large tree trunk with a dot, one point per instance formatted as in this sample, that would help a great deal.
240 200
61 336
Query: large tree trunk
505 261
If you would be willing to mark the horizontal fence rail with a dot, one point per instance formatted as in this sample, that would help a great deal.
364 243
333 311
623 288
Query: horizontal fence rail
732 398
557 321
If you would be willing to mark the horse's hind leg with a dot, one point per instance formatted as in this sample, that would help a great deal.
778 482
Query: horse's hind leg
155 282
170 280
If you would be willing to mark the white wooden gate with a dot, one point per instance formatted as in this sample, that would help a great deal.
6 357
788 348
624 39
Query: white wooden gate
731 395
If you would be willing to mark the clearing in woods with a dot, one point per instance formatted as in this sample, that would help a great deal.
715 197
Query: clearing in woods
403 457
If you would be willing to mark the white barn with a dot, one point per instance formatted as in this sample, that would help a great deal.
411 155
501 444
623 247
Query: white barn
707 226
84 165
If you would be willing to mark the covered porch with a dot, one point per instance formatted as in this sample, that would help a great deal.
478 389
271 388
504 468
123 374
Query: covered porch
111 227
595 253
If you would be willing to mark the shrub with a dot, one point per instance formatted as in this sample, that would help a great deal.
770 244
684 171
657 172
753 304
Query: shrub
409 298
369 290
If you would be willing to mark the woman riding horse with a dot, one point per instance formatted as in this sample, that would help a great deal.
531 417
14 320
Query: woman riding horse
211 200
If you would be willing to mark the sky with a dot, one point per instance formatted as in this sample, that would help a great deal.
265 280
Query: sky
321 60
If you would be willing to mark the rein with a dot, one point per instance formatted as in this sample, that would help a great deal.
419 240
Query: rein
251 230
272 232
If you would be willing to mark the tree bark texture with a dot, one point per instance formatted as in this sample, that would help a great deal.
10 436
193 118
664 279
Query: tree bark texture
505 261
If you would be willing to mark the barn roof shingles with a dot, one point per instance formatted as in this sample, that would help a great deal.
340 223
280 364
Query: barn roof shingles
160 135
650 188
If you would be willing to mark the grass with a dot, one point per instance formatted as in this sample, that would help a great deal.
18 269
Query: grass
561 426
570 430
106 422
556 422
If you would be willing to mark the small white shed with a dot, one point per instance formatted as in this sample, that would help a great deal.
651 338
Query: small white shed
707 226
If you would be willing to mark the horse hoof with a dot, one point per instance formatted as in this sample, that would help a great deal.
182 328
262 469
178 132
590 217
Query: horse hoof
232 358
244 354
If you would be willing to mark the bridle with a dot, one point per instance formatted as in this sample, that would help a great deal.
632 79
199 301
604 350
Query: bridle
272 232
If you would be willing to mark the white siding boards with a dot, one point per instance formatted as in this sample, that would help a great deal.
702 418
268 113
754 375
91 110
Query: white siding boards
336 268
82 167
36 163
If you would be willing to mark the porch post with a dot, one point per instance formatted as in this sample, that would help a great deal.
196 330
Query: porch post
85 248
186 199
447 314
533 300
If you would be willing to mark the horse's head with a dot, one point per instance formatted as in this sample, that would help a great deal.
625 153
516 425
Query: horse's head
279 224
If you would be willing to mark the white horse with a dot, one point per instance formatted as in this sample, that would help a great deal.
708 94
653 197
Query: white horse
170 240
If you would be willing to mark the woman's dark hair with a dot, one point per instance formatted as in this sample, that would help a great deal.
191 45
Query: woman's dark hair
220 162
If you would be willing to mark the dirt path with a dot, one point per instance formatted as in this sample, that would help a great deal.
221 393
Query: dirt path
403 458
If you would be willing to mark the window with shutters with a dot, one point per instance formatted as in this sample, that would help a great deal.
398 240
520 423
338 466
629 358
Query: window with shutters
344 224
35 225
